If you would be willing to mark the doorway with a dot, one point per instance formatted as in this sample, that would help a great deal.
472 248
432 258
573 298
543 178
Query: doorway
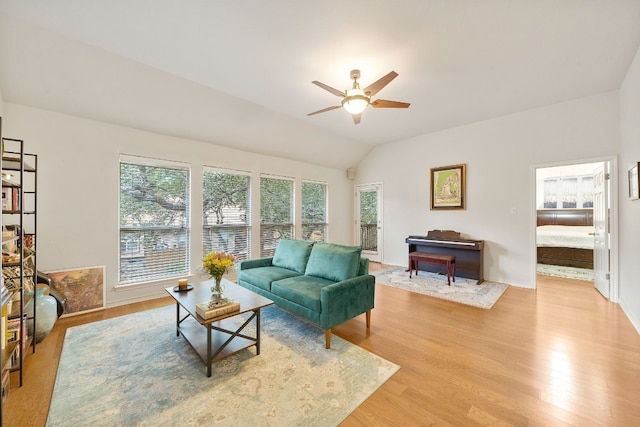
369 225
574 223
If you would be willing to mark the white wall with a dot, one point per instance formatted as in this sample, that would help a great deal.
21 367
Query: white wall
499 155
630 210
78 187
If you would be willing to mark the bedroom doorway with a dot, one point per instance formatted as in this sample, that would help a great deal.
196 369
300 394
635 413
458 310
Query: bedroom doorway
574 222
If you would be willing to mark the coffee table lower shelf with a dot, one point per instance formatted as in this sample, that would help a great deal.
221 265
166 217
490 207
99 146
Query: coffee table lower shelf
220 337
226 338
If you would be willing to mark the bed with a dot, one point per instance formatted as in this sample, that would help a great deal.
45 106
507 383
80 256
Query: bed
565 237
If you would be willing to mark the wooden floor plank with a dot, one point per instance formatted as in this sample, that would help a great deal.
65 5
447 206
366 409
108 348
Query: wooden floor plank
560 355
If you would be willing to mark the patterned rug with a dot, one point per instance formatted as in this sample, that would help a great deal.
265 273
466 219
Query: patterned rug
565 272
134 371
463 291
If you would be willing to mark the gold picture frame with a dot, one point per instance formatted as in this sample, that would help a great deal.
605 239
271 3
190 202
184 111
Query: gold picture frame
448 186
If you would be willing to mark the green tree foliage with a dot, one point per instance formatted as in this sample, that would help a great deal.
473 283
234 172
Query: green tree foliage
223 190
314 203
153 196
368 207
276 201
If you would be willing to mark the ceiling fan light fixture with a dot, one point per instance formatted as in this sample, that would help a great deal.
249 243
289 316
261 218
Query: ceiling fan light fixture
356 101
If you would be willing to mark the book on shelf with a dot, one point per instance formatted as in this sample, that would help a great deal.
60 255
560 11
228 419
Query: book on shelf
16 199
7 199
10 198
216 308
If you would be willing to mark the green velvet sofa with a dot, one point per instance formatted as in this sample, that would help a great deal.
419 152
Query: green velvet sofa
325 283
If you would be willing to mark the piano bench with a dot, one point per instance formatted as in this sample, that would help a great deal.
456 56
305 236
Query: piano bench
449 260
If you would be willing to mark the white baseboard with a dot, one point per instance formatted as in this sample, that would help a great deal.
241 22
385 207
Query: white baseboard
634 320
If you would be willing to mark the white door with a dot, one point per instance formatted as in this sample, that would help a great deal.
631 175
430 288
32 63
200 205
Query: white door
369 220
601 257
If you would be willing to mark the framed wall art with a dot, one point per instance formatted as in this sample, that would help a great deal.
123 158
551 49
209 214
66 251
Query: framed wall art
448 187
634 184
83 288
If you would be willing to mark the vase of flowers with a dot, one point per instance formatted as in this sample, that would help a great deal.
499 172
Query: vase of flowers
216 264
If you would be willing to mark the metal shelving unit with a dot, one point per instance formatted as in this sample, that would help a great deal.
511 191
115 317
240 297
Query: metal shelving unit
19 181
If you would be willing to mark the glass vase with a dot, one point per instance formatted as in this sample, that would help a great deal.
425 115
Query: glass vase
217 290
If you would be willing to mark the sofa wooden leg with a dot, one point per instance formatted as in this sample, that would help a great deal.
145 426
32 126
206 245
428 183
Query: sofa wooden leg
368 316
327 338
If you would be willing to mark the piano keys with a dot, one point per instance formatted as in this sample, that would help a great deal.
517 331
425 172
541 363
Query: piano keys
468 253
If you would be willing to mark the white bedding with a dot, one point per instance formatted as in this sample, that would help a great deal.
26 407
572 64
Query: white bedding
565 236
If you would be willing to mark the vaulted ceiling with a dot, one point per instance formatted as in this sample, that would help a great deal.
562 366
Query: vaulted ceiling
239 73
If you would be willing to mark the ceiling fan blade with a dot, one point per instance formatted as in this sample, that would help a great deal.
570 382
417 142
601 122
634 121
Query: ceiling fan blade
383 103
334 91
356 118
375 87
325 110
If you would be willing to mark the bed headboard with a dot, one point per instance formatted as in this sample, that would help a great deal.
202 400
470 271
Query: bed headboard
565 217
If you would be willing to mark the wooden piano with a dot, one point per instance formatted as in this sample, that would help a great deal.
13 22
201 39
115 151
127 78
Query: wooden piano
468 253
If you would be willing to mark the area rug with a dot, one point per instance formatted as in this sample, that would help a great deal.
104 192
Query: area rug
565 272
463 291
134 371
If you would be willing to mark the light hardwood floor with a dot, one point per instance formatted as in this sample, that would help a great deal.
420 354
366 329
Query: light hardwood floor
559 355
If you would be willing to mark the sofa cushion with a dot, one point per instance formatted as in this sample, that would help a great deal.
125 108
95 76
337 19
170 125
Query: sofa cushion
302 290
334 262
292 254
262 277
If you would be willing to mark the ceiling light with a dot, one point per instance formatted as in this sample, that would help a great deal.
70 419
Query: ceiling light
356 101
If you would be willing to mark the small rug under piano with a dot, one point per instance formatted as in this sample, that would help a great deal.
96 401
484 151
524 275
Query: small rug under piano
463 291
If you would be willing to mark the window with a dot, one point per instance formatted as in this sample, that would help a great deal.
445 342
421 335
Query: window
587 191
369 219
154 220
226 212
276 213
568 192
550 193
314 211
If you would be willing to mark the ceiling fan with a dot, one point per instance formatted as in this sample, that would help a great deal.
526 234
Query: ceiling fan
355 100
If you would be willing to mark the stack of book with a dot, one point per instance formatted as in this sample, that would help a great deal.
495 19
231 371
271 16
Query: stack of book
216 308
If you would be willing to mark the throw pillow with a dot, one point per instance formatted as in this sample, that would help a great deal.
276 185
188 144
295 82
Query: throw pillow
292 254
334 262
